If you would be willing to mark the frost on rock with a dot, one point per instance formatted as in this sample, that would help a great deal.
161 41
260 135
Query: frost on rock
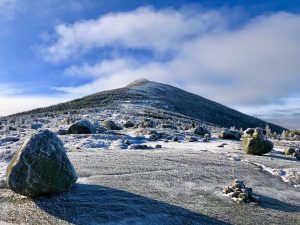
81 127
40 166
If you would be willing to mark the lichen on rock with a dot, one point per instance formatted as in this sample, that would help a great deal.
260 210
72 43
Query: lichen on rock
40 167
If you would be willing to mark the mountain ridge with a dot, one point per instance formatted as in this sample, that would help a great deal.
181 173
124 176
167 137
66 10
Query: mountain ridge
166 97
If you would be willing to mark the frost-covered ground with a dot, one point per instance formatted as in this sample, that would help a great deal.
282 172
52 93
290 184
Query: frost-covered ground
180 183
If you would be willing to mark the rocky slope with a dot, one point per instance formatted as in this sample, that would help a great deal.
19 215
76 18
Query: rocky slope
164 97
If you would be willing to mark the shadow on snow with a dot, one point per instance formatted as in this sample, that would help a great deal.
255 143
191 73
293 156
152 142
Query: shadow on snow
95 204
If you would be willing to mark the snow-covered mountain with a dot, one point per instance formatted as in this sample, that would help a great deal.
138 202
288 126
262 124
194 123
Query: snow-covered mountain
163 97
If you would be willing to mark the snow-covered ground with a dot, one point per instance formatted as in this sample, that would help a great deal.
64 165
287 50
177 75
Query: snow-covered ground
180 183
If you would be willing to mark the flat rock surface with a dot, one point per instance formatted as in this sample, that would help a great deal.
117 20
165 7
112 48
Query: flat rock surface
181 183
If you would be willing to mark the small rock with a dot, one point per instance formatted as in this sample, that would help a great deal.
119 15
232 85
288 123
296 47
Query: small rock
128 124
289 151
158 146
127 142
201 130
81 127
230 134
175 139
111 125
297 154
191 139
36 126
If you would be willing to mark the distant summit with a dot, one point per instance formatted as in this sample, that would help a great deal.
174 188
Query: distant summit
138 82
146 94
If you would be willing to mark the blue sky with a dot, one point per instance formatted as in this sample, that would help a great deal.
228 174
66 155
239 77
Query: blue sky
244 54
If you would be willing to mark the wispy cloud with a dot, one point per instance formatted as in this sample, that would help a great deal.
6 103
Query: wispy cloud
143 28
250 61
13 100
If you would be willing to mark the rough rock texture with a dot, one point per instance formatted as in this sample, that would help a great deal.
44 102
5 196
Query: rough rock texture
255 143
230 134
289 151
40 166
200 130
81 127
129 124
111 125
191 139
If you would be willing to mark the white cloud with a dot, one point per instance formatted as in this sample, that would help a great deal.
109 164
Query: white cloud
142 28
253 64
12 100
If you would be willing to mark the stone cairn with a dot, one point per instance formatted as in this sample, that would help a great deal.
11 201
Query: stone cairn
239 193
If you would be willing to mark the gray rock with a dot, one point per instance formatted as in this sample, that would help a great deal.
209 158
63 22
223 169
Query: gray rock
206 138
147 123
138 146
158 146
128 124
175 139
201 130
111 125
36 126
289 151
191 139
62 132
9 139
41 166
230 134
81 127
297 154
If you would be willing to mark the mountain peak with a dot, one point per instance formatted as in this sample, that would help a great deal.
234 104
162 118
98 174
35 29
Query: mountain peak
138 82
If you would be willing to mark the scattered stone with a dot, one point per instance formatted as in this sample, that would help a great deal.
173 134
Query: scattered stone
9 139
62 132
289 151
147 123
201 130
206 138
297 154
40 166
36 126
255 143
239 193
230 134
81 127
222 145
127 142
138 146
158 146
111 125
175 139
12 128
191 139
129 124
154 135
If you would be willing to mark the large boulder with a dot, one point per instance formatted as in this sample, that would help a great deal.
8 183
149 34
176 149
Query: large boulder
230 134
201 130
111 125
255 143
40 167
81 127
